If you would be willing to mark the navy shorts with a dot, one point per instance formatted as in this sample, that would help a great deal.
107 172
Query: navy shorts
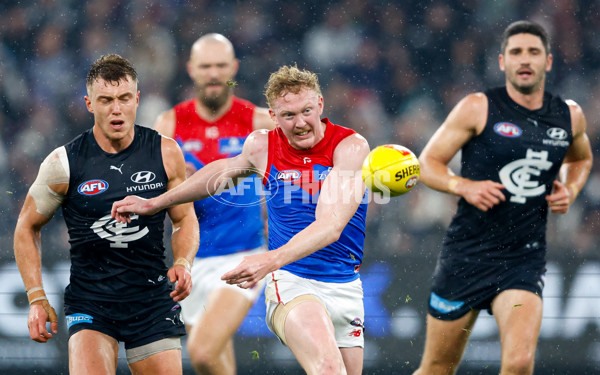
133 323
459 287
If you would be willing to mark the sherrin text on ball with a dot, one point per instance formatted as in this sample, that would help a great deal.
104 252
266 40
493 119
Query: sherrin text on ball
391 169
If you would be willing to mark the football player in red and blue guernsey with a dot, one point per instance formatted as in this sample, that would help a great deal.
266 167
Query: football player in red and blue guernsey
315 196
212 126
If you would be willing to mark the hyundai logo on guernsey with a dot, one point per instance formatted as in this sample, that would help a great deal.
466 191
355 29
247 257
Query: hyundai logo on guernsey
557 137
557 133
93 187
506 129
78 319
143 177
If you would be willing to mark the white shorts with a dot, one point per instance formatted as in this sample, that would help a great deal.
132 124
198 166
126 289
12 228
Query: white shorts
206 278
343 301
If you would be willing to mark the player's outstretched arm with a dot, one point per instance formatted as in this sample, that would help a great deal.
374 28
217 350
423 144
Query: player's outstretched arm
185 237
341 194
576 165
466 120
212 178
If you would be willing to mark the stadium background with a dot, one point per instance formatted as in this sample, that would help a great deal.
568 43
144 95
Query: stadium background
391 70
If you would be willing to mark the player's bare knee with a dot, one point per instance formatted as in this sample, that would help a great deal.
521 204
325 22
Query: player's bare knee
330 365
202 356
518 364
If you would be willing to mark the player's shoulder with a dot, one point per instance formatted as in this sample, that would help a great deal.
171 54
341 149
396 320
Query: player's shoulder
256 143
169 147
167 141
258 136
354 140
471 109
59 153
578 120
469 114
347 143
165 123
351 146
573 106
172 156
475 100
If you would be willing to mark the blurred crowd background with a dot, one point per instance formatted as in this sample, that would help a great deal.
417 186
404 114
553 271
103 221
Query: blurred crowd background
391 70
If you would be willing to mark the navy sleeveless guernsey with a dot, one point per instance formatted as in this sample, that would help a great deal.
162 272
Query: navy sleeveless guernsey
111 261
523 150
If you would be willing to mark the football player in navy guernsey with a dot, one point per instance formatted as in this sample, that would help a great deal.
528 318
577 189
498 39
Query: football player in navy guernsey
120 288
524 152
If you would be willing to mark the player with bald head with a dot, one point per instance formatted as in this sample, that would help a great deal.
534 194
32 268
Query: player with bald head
212 126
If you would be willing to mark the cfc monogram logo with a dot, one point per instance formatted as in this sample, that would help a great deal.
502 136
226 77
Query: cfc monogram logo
519 176
118 233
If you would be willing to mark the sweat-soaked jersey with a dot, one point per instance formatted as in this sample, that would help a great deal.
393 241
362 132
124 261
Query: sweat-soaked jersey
292 183
231 221
111 261
523 150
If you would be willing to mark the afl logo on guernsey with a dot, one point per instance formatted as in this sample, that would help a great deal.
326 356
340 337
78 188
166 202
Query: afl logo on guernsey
506 129
289 175
93 187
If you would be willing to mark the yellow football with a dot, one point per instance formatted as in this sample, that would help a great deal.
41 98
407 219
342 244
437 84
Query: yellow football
391 170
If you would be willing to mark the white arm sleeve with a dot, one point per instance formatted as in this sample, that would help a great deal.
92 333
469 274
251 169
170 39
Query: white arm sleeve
53 170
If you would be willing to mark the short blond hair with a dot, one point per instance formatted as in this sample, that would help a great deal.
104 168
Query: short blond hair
290 79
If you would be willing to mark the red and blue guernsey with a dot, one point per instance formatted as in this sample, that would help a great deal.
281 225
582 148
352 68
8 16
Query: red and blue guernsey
231 221
292 184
